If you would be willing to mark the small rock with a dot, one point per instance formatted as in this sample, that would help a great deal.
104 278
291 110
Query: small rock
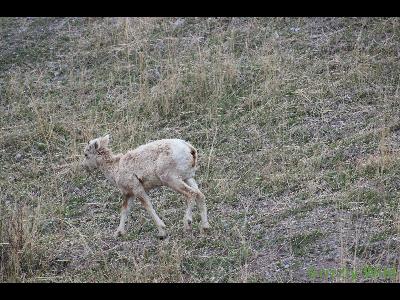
160 46
153 75
18 157
178 23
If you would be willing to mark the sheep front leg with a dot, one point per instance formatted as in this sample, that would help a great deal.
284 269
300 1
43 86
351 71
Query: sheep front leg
124 215
188 218
146 202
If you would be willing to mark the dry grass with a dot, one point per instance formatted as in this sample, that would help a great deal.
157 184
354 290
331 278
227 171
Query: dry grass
296 122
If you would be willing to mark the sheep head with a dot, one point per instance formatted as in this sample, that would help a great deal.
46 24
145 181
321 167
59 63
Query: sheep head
93 151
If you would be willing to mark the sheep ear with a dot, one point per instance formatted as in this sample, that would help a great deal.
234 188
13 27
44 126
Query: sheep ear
106 139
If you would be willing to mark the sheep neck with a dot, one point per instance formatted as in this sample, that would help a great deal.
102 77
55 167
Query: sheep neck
108 164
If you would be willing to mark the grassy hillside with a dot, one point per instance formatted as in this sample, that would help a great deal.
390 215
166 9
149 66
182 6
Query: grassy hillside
296 121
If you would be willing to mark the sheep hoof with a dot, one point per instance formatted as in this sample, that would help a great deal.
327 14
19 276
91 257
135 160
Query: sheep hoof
162 236
205 228
119 233
188 225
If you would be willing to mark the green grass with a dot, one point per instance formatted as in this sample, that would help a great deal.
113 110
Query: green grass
301 242
295 121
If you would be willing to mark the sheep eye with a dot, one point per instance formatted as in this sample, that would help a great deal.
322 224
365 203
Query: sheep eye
86 155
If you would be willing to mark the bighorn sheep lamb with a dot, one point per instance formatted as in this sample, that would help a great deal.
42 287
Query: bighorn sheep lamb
168 162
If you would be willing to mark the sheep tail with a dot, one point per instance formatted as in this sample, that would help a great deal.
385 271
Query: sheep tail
193 152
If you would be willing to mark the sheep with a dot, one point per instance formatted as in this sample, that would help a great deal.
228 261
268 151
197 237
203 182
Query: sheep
166 162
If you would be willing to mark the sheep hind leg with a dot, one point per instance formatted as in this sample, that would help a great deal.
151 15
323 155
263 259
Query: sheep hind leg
201 202
189 189
188 218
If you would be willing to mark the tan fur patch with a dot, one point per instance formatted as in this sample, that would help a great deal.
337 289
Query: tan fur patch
187 192
125 203
130 156
144 203
163 149
107 156
126 191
